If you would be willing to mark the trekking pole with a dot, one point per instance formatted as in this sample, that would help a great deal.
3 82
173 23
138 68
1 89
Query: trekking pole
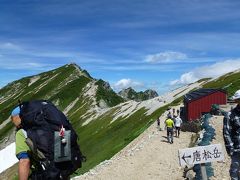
19 103
203 171
236 150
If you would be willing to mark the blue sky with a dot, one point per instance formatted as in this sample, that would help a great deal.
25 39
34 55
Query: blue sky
156 44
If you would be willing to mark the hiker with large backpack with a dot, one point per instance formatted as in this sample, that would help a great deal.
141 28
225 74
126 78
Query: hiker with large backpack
46 143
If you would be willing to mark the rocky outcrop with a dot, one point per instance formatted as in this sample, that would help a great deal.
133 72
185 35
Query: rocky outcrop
131 94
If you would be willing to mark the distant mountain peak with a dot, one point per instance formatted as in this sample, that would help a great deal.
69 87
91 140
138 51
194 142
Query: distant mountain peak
79 70
131 94
75 65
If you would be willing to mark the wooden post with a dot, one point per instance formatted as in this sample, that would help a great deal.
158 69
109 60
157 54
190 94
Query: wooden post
203 171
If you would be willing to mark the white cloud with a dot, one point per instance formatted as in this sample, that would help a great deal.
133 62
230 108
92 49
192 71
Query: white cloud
9 46
126 83
165 57
212 71
174 82
13 65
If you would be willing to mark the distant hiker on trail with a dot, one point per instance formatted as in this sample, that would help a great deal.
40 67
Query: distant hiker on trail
45 142
173 113
178 112
158 124
177 123
170 125
169 115
231 134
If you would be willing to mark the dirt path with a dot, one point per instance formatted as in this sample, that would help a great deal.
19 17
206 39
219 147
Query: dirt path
148 157
221 169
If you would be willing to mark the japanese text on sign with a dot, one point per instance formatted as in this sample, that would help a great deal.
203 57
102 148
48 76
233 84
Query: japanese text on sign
200 154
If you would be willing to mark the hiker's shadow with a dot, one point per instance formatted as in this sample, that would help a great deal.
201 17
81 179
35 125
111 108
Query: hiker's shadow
164 140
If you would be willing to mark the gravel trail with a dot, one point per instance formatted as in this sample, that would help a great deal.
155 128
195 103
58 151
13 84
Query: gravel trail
148 157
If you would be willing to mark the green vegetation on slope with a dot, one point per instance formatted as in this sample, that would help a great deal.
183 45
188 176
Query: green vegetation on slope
100 140
203 79
69 93
46 87
230 82
4 132
107 94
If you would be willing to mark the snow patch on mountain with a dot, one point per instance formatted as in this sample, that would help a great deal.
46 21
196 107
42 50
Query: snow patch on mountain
33 80
7 157
4 123
129 108
102 104
126 110
15 90
151 105
94 113
70 106
90 91
185 89
46 82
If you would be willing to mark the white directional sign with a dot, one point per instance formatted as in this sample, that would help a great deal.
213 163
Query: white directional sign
200 154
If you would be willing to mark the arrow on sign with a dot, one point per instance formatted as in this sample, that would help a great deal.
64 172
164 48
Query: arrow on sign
184 157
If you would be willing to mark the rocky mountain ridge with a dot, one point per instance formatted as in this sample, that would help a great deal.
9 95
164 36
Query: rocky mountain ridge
131 94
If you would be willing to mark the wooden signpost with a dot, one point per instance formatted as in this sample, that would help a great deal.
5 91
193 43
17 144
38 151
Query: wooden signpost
201 155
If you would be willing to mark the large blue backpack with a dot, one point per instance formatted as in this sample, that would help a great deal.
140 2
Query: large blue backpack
55 154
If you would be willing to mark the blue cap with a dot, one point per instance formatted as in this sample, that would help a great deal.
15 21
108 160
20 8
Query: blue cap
16 111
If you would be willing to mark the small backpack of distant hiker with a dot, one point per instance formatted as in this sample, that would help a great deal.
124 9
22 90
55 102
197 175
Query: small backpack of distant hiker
55 153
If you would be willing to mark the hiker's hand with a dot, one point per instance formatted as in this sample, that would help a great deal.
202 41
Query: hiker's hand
84 158
231 152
